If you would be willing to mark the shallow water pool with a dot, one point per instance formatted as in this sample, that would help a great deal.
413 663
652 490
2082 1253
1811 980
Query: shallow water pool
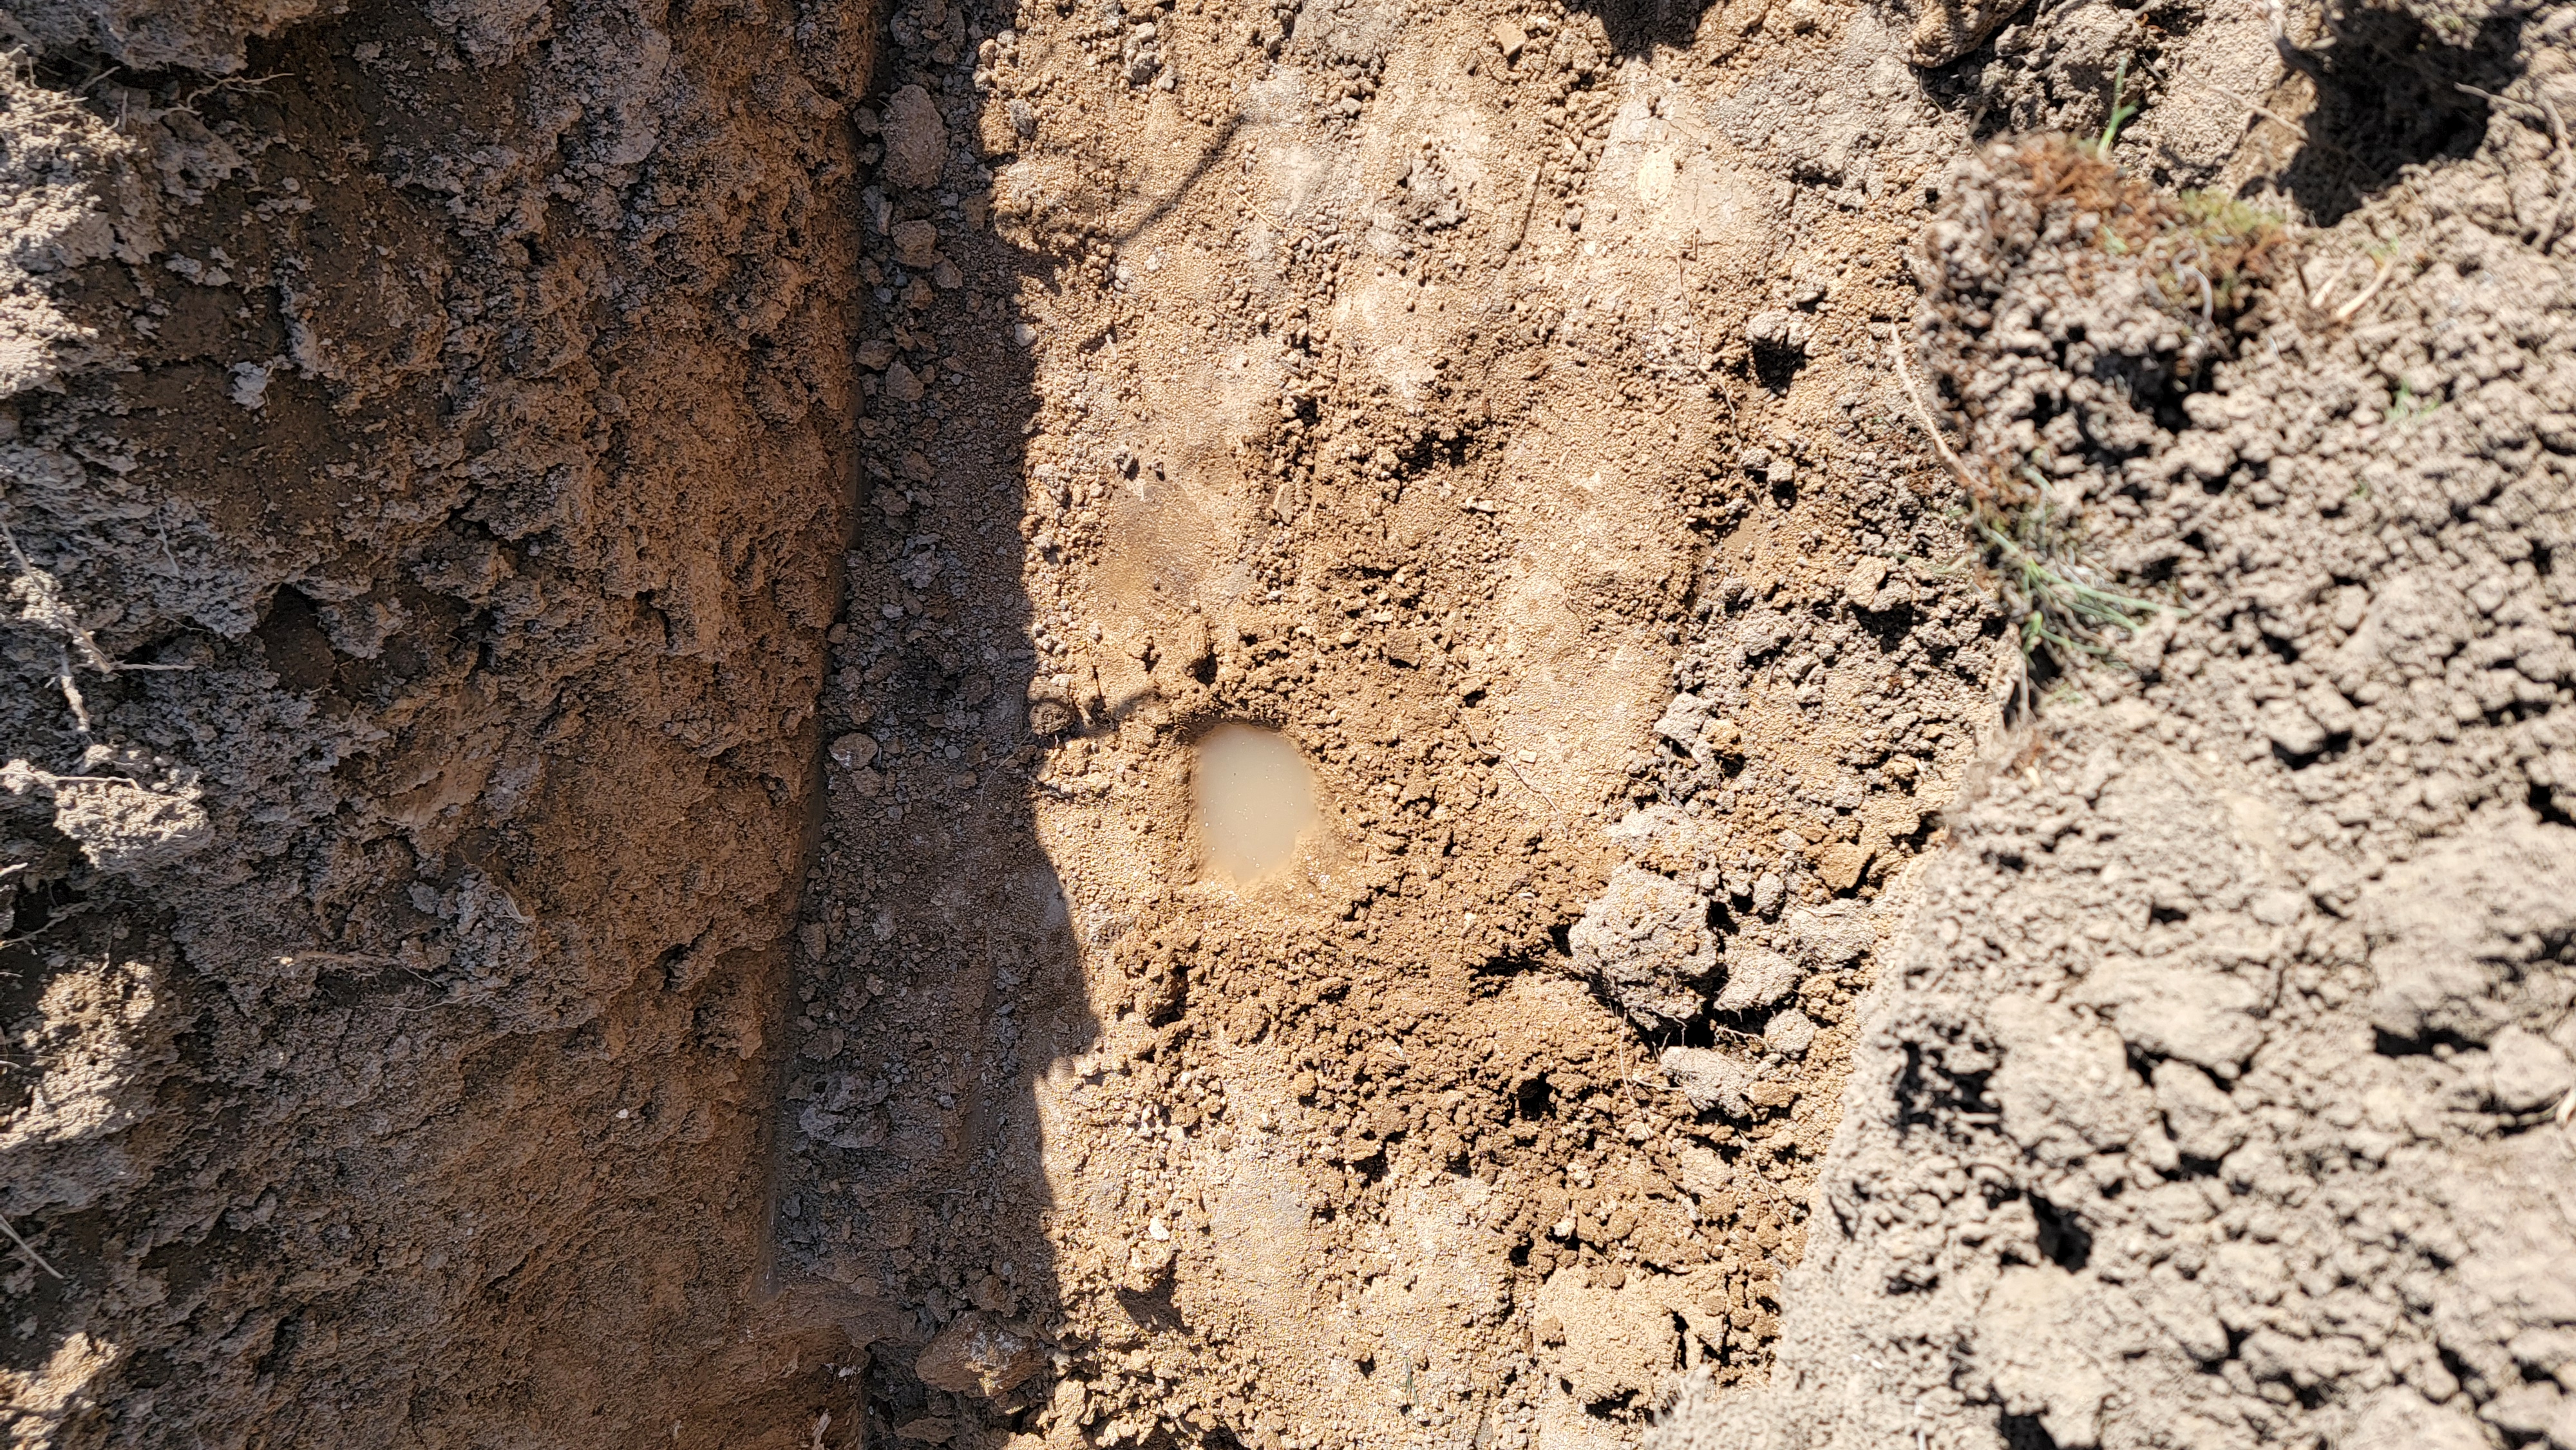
1254 798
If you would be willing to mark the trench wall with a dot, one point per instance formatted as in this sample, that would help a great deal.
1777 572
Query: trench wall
423 450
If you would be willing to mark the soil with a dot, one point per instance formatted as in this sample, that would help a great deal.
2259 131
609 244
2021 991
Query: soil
1934 651
411 738
2220 1087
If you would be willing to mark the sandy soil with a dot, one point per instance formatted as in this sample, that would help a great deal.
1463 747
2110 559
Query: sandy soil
1396 394
611 607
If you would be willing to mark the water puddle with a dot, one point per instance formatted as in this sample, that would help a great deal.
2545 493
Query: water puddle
1254 798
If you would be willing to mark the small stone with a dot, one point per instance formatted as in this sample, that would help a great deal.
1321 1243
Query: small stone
902 384
1509 38
1863 585
916 139
854 751
876 353
976 1355
1840 865
916 244
946 277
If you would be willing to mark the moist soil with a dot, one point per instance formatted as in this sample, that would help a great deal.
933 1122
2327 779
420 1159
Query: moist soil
1933 647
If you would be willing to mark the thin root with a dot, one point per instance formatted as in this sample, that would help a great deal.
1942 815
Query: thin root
2561 148
2275 117
28 1249
1923 414
2362 299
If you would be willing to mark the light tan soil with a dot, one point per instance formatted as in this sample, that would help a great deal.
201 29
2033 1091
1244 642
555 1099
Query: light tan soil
1251 408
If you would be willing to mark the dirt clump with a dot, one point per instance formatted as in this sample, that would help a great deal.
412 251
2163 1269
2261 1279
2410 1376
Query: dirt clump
2218 1093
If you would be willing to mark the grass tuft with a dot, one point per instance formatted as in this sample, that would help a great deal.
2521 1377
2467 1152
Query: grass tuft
2406 408
2120 114
2060 602
2064 602
2208 257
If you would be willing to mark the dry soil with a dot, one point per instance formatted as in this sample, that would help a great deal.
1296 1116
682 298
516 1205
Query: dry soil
1933 650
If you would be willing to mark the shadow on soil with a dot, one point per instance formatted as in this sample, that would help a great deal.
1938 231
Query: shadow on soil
2389 96
910 1165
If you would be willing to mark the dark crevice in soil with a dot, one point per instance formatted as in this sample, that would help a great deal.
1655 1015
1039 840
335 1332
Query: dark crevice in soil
2024 1432
2062 1237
